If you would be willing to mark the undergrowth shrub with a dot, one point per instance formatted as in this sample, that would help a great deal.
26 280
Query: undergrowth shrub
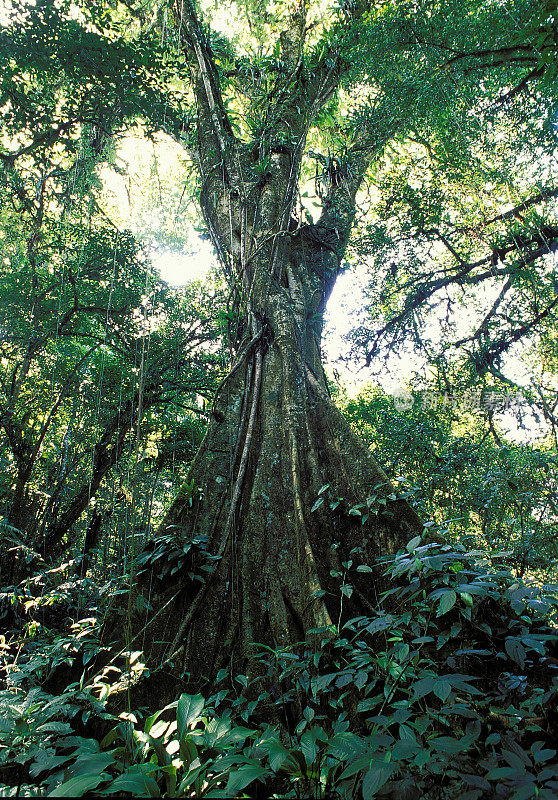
447 690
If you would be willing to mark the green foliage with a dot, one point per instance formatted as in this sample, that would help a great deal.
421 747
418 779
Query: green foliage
498 493
461 225
447 690
166 559
38 738
90 330
103 77
541 33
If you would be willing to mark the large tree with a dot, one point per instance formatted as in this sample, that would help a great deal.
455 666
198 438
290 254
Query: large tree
282 494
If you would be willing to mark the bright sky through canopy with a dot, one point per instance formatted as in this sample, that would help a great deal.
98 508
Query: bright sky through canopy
147 189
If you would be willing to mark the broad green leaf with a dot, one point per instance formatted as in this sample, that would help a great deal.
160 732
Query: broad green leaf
239 779
346 746
375 778
188 711
55 727
278 755
188 750
403 652
526 792
450 745
442 689
500 772
361 679
358 765
543 755
91 763
462 682
309 747
135 782
447 602
467 598
79 785
514 761
407 734
236 735
159 728
191 777
424 686
46 760
516 651
413 544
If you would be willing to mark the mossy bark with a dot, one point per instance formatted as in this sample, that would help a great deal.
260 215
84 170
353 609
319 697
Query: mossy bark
275 438
274 441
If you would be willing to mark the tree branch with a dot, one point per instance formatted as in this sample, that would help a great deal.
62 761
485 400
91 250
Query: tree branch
215 134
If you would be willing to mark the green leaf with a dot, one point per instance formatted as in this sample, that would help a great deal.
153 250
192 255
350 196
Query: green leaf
91 763
515 761
78 786
188 711
46 760
279 755
450 745
191 777
413 544
188 750
346 746
358 765
319 502
424 686
308 747
543 755
516 651
461 682
361 679
442 689
241 777
447 602
375 778
500 772
55 727
525 792
135 782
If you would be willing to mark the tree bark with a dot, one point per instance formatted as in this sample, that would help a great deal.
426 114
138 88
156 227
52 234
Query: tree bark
105 456
274 441
277 558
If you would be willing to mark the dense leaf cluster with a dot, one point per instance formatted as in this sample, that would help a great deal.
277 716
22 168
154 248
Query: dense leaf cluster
446 690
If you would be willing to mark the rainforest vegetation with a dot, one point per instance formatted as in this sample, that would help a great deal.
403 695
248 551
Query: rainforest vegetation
222 572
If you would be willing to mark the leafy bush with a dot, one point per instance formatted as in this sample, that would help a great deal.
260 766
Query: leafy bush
447 690
38 737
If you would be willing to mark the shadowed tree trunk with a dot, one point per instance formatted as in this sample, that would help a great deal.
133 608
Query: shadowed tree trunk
275 439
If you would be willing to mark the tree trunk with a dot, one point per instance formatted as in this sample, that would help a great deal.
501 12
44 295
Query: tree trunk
105 457
276 564
274 442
